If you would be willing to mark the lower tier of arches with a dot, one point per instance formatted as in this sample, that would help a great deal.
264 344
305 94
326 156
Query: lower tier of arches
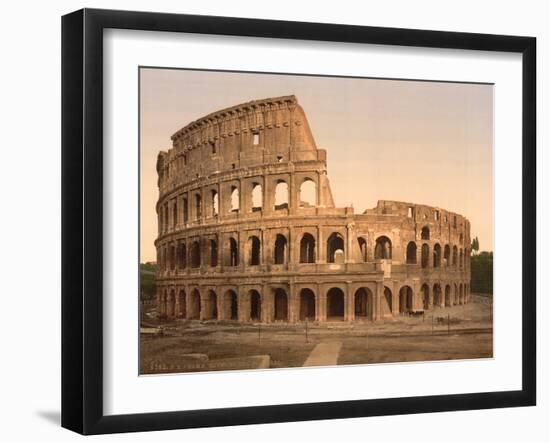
307 302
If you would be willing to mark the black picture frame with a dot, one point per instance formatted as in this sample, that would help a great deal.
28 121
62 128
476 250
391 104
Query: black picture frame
82 218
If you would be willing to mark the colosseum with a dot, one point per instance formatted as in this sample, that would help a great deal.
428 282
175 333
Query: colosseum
248 231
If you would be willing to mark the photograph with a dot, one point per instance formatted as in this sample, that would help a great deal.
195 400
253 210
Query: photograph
291 220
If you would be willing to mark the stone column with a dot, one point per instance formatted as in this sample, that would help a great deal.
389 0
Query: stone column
321 247
243 302
204 302
322 297
350 303
349 247
395 299
378 294
266 298
292 303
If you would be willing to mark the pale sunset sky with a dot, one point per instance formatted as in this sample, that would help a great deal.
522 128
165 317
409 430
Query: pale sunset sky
420 142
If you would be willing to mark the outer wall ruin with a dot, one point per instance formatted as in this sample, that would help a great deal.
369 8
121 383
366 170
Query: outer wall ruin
248 230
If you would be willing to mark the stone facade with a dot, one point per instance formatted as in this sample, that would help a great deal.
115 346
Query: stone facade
238 239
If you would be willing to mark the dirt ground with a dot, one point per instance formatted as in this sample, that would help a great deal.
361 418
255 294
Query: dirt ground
458 332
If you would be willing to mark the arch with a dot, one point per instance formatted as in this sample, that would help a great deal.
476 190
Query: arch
235 202
163 302
335 304
307 304
175 212
215 202
405 299
455 255
255 305
448 295
437 294
308 193
182 256
195 305
387 303
447 255
211 306
437 255
335 243
461 259
411 253
425 290
363 304
281 195
281 250
231 305
280 305
198 206
425 255
233 252
195 254
257 197
213 253
382 250
307 249
425 233
254 251
363 249
182 303
171 305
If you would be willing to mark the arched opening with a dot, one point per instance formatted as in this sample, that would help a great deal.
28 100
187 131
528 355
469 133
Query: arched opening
198 206
425 233
175 213
437 295
387 301
213 253
382 250
405 299
308 194
461 294
363 304
335 248
448 296
455 254
195 254
195 305
231 309
307 304
281 195
182 303
172 255
255 305
437 256
280 252
233 252
335 304
171 309
211 308
182 256
363 249
215 203
307 249
425 289
281 305
447 255
235 204
257 198
254 248
461 259
411 253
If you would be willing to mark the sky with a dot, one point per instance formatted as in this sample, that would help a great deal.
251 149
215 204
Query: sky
420 142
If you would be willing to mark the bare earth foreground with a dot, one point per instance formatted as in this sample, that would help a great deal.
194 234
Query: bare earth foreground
457 332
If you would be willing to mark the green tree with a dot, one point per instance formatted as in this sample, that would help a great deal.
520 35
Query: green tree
475 245
482 273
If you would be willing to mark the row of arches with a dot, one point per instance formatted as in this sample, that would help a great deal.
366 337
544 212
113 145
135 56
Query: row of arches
455 259
191 206
330 305
227 306
177 256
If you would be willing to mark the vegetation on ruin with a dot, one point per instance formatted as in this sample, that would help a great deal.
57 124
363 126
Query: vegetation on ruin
482 273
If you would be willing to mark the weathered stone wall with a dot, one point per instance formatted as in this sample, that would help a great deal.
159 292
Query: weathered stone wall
238 241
